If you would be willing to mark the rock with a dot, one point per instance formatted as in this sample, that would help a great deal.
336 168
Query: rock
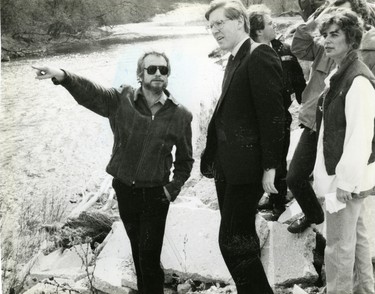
110 282
291 212
117 243
57 286
5 58
288 258
114 270
114 275
278 6
191 250
190 244
93 224
65 264
263 230
205 191
298 290
183 288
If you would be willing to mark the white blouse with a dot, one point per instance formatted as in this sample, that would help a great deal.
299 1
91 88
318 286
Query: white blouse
353 174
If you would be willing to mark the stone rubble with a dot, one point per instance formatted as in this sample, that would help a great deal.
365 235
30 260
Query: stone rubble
191 250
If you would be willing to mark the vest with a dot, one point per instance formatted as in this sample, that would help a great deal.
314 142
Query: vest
331 107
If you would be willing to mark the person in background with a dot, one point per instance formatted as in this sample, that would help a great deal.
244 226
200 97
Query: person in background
244 134
262 30
147 122
345 163
306 47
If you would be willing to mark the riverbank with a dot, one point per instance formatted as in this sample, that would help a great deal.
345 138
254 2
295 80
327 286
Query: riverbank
186 20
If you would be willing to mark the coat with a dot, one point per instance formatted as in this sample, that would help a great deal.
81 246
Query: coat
246 131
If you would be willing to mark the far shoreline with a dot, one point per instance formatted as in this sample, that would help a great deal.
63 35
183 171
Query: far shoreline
121 34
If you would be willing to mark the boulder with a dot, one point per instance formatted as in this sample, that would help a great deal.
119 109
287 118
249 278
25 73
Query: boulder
57 286
288 258
298 290
191 246
291 212
114 271
109 273
191 250
65 264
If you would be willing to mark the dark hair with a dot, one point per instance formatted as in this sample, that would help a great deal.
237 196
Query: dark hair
141 62
348 22
233 9
358 6
256 15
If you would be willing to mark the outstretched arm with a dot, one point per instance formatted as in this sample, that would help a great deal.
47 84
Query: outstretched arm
46 72
98 99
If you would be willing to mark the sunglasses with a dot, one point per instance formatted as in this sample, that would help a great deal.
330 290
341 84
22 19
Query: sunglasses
151 70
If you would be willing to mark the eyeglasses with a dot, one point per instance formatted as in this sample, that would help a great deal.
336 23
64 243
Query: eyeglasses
151 70
219 24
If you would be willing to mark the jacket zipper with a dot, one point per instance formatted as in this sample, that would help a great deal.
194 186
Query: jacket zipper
143 149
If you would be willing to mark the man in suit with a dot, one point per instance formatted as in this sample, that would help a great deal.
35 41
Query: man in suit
262 30
243 141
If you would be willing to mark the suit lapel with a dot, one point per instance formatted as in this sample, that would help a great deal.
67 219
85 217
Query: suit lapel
244 49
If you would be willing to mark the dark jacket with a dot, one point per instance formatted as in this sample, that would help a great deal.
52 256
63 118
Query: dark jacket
143 143
332 102
247 127
293 78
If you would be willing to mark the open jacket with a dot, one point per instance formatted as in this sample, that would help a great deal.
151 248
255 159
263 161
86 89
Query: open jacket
142 149
246 131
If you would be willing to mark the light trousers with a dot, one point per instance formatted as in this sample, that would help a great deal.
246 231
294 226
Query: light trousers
347 254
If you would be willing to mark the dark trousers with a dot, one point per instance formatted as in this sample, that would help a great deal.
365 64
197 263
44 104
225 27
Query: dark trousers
143 212
279 200
298 177
238 240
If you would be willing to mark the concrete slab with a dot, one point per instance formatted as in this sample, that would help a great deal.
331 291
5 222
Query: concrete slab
288 258
66 264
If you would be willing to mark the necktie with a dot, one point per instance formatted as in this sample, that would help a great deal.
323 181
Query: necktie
228 68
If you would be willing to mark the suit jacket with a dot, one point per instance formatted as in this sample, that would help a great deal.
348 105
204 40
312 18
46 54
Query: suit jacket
246 131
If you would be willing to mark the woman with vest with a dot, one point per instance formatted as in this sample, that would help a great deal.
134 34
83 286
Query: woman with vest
345 165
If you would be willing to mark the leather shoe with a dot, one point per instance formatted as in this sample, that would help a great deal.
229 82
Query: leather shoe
299 225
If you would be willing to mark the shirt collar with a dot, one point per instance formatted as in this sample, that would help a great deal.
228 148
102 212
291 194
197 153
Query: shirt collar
163 98
238 46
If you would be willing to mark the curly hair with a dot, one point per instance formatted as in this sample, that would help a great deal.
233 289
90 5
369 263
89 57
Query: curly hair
233 9
256 15
348 22
141 62
358 6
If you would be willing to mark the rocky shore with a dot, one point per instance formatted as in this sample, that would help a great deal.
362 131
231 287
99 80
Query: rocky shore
185 20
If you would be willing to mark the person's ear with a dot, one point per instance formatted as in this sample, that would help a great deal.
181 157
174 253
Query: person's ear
259 33
140 78
241 23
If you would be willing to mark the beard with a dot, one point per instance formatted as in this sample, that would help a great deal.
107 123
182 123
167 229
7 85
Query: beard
155 88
